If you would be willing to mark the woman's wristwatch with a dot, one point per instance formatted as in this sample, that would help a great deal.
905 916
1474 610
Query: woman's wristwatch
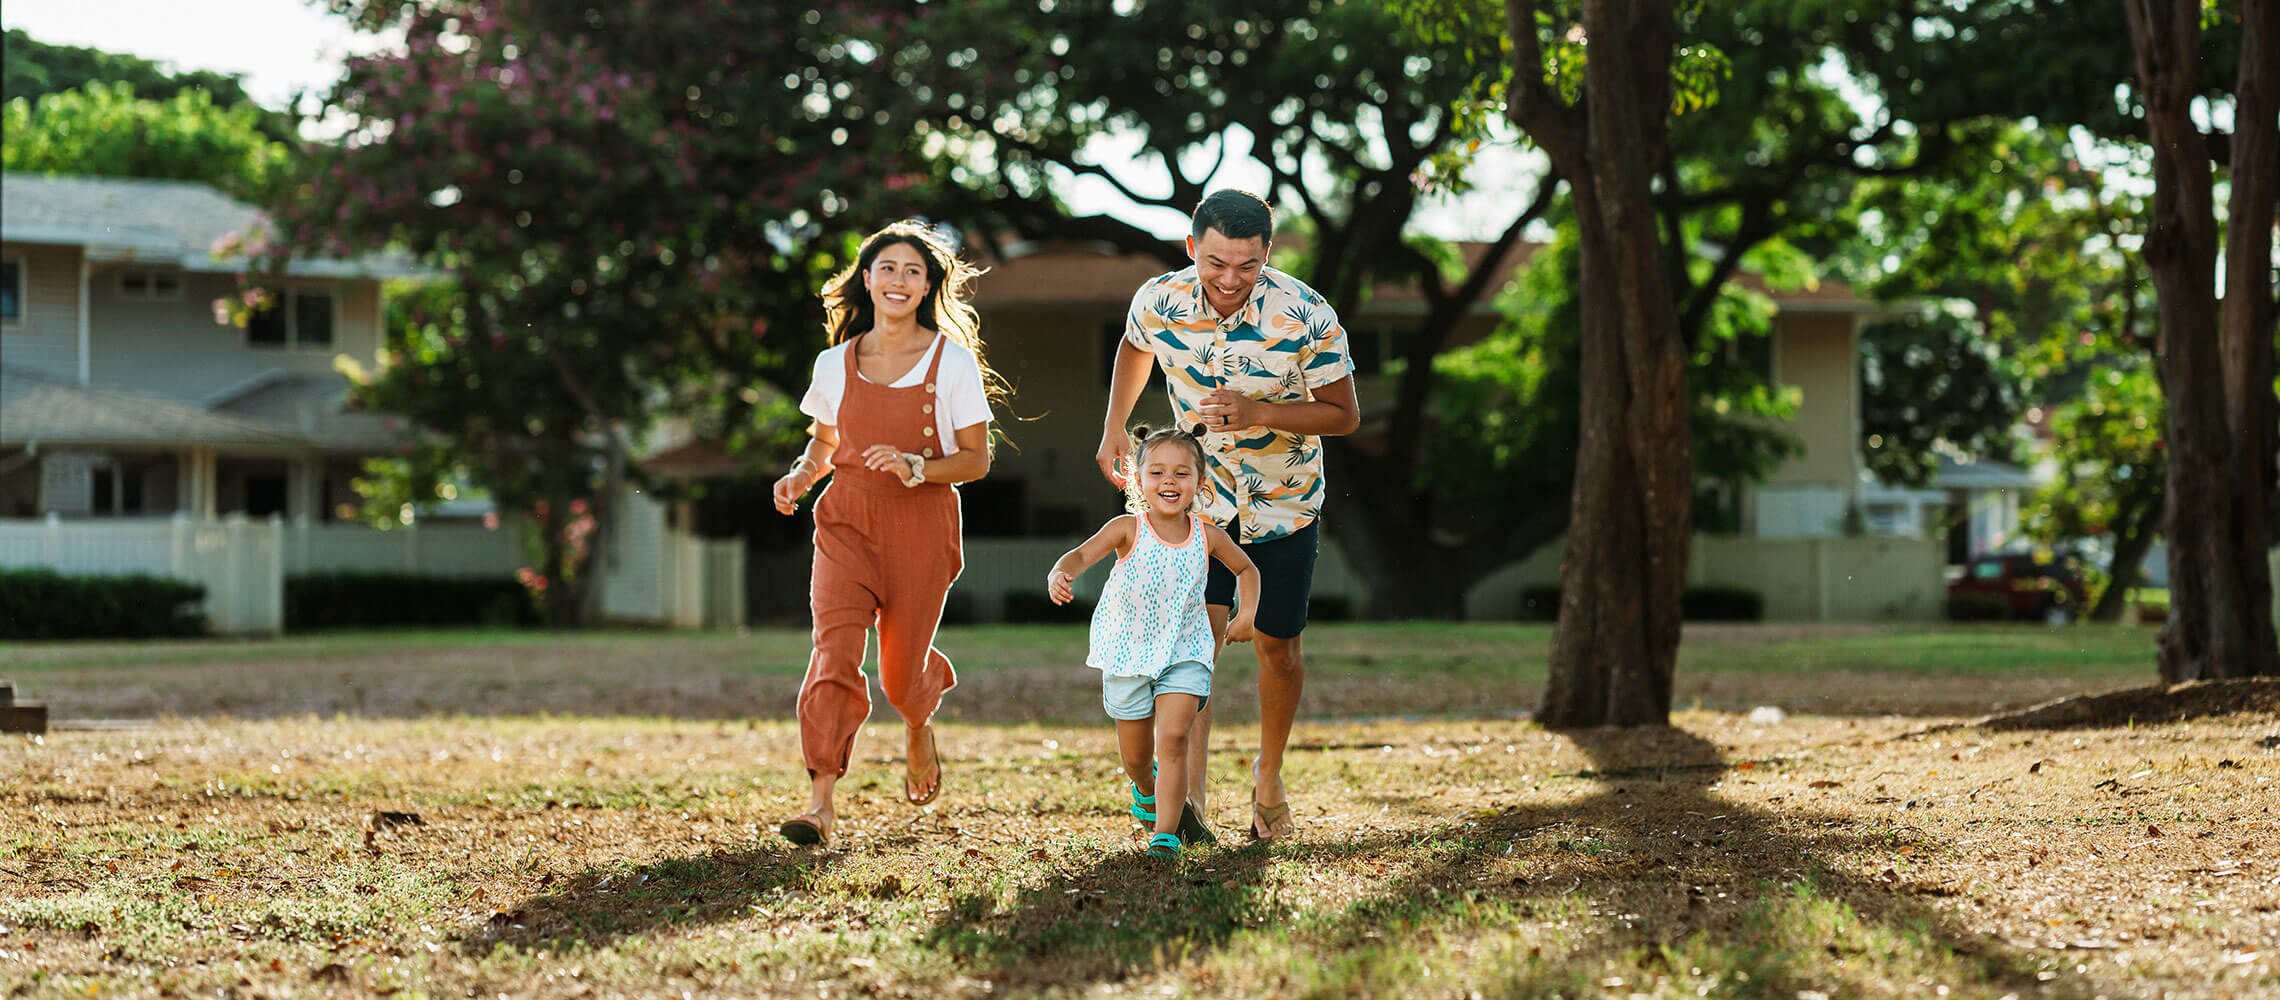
917 469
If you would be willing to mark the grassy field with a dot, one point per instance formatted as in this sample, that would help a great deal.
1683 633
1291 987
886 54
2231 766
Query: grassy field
273 834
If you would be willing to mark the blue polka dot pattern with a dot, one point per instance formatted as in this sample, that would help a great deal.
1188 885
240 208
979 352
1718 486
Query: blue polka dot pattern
1150 614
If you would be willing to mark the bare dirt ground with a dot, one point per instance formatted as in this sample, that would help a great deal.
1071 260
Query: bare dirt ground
2122 852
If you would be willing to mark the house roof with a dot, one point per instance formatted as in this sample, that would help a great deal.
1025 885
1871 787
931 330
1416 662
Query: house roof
176 222
37 411
316 407
1076 272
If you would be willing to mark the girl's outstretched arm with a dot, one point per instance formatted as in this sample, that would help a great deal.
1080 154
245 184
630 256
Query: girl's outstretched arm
1115 536
1230 555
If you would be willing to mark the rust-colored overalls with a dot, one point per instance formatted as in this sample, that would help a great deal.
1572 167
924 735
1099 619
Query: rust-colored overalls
885 554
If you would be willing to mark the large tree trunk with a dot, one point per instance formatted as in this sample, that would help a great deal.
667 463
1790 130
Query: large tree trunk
2217 626
1631 515
2245 324
2136 523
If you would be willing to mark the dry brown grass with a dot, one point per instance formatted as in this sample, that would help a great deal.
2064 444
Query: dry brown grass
1834 854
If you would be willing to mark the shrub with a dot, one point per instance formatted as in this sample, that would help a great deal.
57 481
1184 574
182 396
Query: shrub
1540 604
1035 606
45 604
1721 604
1977 606
1699 604
366 600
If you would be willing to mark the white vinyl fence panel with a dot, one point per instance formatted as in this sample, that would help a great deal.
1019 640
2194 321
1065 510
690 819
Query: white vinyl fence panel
236 559
435 549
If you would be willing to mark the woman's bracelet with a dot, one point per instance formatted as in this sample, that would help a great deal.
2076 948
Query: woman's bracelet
802 463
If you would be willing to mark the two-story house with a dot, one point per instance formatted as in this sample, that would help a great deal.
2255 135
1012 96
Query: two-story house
1052 316
121 394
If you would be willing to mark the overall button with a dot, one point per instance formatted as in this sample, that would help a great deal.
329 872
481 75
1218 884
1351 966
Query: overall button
926 408
926 453
928 431
930 388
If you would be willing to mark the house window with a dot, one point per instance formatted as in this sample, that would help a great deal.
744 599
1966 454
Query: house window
1369 346
312 319
293 318
11 291
1752 352
1111 336
150 286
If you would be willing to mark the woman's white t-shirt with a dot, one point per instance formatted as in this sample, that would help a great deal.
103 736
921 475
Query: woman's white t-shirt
960 399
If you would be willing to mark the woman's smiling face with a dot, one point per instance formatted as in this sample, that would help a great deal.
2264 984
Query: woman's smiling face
897 281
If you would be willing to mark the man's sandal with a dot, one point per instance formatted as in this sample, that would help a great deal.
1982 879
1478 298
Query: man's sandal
911 793
1269 822
1192 829
806 829
1164 845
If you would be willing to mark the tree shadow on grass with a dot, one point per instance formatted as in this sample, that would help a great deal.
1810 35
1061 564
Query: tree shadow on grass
1698 882
594 909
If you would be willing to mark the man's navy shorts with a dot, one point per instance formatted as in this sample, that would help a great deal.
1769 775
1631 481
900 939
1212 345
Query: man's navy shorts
1286 580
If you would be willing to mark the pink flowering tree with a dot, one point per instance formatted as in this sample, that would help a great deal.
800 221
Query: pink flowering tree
629 208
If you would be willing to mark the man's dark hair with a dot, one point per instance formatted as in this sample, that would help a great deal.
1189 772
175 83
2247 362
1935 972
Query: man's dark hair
1238 215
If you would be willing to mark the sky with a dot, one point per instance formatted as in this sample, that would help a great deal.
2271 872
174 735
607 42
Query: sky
283 47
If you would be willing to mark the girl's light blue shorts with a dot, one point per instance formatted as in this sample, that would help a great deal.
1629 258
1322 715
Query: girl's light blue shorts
1131 698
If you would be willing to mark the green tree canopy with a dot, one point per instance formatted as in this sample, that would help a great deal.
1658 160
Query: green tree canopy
636 205
36 69
105 130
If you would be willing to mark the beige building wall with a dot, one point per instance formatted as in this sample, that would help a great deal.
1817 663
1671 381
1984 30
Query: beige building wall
46 341
1814 353
174 348
1056 359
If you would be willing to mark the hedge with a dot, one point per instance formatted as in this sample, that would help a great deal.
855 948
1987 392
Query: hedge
1035 606
45 604
1978 606
366 600
1695 604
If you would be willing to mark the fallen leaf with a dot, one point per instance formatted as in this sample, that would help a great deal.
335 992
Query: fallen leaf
1825 784
385 819
330 972
2152 830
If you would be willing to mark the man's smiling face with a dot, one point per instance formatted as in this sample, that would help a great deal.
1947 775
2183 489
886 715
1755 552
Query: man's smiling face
1228 268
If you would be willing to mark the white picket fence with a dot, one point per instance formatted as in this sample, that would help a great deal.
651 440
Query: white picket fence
243 562
237 560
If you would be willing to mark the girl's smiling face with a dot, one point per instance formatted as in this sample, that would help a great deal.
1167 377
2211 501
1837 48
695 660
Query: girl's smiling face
1169 478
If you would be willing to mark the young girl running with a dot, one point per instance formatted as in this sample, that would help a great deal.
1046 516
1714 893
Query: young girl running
1151 640
901 404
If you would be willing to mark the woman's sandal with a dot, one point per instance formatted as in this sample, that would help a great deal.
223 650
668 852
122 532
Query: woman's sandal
911 794
1164 845
806 829
1269 822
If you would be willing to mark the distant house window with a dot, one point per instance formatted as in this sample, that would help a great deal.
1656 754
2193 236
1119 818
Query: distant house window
293 318
313 319
1753 353
1369 346
266 327
11 291
150 286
